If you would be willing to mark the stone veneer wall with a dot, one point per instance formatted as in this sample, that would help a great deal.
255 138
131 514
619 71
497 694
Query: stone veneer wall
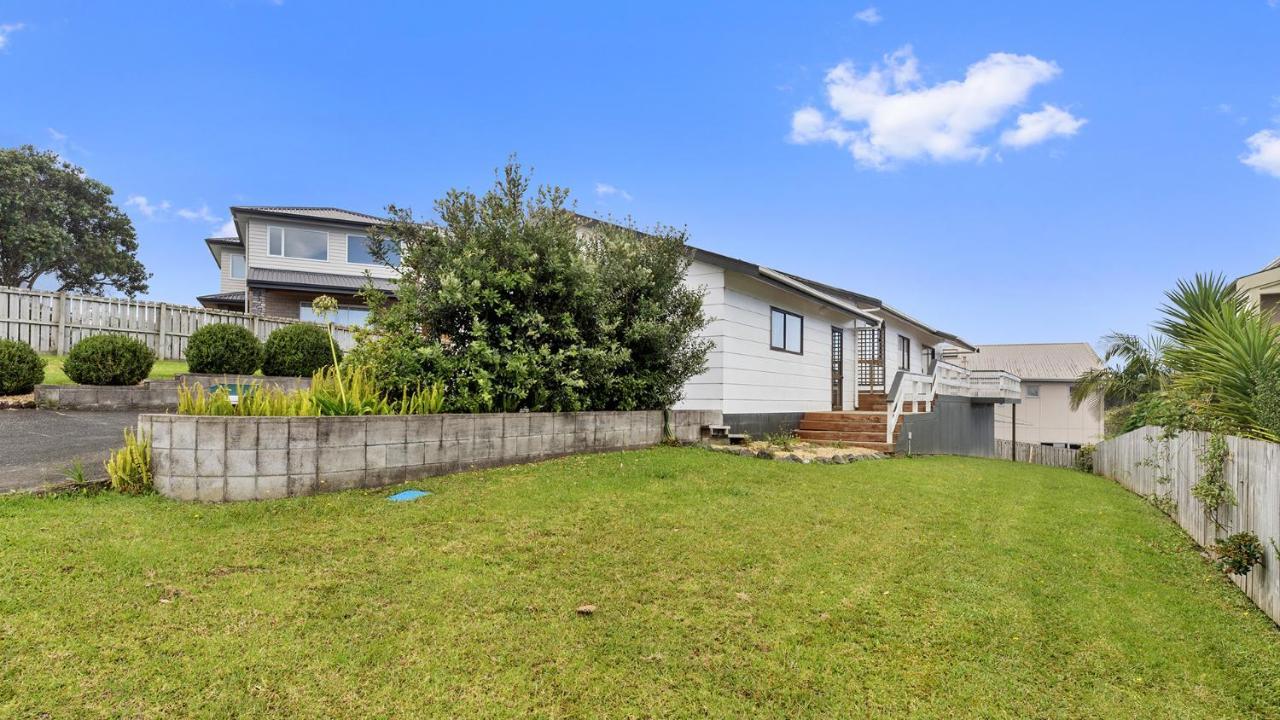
217 459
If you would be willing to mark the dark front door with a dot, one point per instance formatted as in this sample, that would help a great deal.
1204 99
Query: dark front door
837 368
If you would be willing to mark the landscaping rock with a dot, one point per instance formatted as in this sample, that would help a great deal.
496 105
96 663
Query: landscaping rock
764 454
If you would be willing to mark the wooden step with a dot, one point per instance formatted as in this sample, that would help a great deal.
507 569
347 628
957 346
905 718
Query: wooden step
845 425
850 436
829 437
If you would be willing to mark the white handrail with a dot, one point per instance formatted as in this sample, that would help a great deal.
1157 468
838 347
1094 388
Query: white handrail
947 379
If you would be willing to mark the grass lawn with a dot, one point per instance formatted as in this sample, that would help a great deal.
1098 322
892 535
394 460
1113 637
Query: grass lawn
162 370
725 587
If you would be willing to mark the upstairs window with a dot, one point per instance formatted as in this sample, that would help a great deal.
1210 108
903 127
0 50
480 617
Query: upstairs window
358 252
786 331
237 266
904 353
1031 391
298 243
930 357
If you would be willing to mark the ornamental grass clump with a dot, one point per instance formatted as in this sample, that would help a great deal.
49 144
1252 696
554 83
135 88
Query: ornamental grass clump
339 391
129 468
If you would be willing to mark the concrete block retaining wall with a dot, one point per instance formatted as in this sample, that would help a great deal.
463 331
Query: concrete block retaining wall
216 459
150 395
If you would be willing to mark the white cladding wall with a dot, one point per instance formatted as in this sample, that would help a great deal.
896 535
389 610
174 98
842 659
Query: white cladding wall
1049 418
893 329
226 282
744 375
336 264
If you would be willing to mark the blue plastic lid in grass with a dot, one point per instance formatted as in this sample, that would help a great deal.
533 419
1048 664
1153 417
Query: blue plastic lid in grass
407 495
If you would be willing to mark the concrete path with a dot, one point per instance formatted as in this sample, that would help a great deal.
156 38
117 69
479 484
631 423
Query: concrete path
37 447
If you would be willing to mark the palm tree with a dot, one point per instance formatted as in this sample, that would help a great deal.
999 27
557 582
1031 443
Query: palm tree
1141 369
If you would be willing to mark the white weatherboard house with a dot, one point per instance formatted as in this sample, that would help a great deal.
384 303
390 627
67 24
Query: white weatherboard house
789 353
1048 372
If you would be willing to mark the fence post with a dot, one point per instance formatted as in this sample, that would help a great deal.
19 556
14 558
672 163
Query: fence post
61 307
257 328
164 331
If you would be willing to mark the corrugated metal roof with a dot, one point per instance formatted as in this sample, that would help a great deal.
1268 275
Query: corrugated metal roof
237 296
1033 361
313 213
303 279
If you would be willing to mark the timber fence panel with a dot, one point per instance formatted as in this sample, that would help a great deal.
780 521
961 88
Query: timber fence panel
1036 454
1157 466
51 323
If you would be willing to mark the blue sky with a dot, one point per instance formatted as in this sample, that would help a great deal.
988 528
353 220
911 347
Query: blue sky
903 176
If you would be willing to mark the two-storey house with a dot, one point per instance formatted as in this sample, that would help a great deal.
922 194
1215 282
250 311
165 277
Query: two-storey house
282 258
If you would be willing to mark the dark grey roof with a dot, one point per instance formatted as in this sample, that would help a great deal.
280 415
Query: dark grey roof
223 242
226 297
303 280
322 214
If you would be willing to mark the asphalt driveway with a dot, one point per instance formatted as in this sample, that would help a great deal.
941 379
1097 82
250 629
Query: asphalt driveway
37 447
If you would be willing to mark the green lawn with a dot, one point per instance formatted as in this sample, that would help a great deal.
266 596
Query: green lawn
162 370
725 587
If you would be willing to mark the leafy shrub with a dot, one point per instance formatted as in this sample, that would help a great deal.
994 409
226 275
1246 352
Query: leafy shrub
109 360
224 348
348 390
129 468
298 350
1238 553
20 368
1084 458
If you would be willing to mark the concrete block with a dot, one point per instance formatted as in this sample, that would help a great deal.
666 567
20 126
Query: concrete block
181 487
584 422
424 428
514 448
302 461
211 433
182 461
554 444
48 395
515 425
272 462
375 457
535 447
184 434
210 463
488 426
333 481
161 432
385 430
242 488
302 485
80 396
415 453
407 454
299 433
272 487
562 423
211 489
243 463
340 459
458 428
541 423
160 461
336 432
242 433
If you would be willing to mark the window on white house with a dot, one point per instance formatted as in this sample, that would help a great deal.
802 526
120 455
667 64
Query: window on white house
358 252
904 353
930 358
237 266
345 315
786 331
298 243
1031 391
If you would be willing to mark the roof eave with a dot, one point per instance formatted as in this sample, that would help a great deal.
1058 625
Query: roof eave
248 210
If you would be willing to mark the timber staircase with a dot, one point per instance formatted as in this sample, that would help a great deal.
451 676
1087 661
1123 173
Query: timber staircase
864 427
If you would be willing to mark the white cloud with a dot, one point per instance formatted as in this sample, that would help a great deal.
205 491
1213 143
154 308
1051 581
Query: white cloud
1037 127
56 136
200 214
1264 152
887 114
6 30
604 190
145 206
870 16
228 229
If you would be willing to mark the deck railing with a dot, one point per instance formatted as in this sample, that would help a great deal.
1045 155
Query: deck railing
919 389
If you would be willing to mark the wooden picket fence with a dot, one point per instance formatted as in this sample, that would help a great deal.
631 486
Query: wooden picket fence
1156 468
52 322
1036 454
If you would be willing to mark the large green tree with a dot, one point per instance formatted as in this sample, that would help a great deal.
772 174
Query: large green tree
516 302
55 220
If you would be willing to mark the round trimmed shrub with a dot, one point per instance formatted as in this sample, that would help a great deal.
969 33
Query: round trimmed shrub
224 349
21 369
298 351
109 360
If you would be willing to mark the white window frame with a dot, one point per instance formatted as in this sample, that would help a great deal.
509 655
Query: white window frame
244 266
283 238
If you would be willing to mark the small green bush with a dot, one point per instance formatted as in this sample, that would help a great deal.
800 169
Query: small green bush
1238 553
109 360
298 351
20 368
1084 458
224 349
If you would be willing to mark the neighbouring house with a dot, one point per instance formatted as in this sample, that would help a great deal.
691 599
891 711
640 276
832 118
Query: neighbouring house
1048 372
282 258
1262 289
789 353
